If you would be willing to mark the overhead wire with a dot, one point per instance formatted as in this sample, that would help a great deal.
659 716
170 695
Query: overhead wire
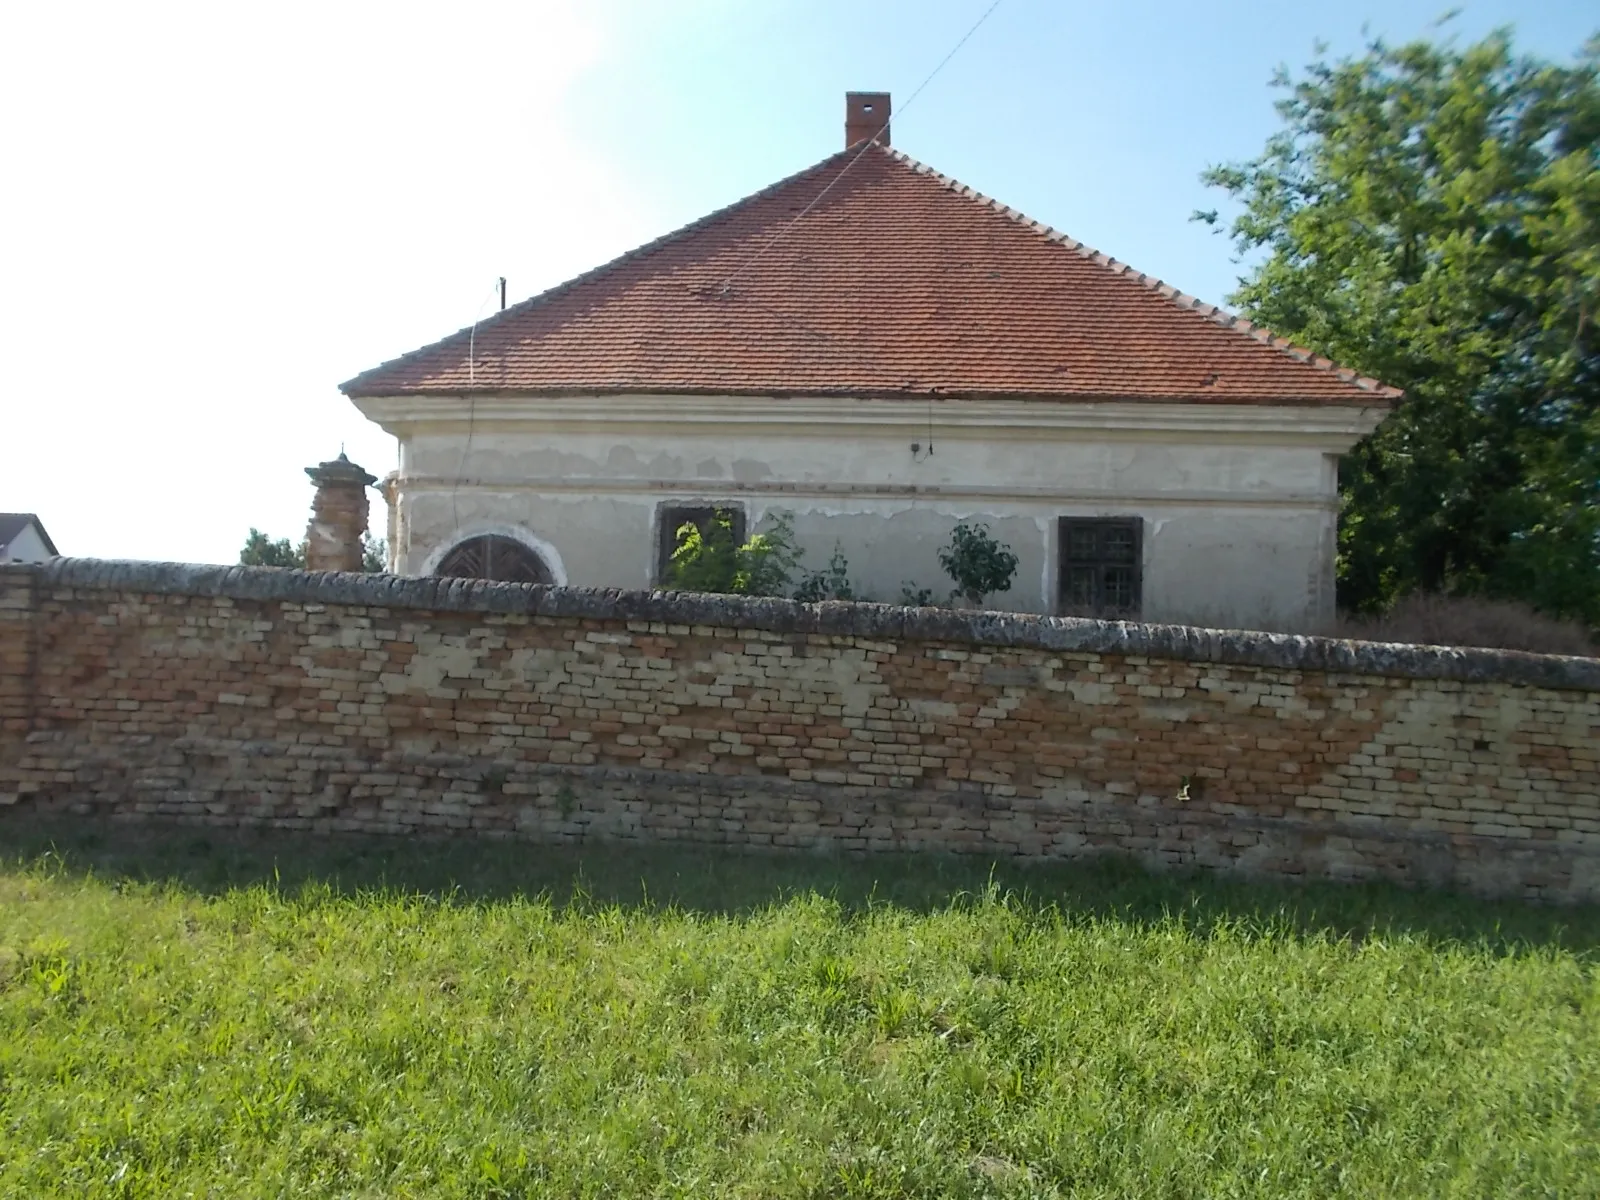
472 337
472 410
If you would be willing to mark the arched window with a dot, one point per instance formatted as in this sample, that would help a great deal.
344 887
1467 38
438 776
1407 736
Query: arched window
494 557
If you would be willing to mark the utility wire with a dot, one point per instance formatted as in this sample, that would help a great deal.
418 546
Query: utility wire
943 61
870 142
472 337
472 409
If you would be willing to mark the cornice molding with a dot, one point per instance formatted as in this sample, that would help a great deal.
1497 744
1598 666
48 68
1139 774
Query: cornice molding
1330 426
1108 498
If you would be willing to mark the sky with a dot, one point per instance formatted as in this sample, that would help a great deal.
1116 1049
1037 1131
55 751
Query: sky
213 214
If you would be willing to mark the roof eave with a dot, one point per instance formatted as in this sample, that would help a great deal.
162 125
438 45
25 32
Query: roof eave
1380 397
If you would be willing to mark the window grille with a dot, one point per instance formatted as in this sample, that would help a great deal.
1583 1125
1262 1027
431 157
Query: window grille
494 557
1102 566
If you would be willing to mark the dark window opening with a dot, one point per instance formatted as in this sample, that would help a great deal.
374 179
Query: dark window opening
1102 566
674 518
491 556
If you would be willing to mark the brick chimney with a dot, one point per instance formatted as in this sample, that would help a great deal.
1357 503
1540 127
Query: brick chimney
866 115
338 515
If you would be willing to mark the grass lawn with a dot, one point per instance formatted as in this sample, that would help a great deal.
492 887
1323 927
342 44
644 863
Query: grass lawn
182 1015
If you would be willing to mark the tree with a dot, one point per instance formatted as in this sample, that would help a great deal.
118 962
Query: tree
978 564
374 554
711 560
261 551
1430 216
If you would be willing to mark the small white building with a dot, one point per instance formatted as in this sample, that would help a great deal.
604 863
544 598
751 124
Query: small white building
882 352
23 539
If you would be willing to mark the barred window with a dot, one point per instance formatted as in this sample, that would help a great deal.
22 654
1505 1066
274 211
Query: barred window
1101 566
494 557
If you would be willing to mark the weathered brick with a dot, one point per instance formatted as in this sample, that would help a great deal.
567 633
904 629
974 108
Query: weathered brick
334 702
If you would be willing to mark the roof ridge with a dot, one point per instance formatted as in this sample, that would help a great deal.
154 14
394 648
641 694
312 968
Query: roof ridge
640 251
1182 300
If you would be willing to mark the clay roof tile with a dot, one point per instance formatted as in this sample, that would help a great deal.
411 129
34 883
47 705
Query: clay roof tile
898 281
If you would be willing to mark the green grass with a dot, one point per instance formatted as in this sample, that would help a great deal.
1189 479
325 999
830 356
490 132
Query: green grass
287 1016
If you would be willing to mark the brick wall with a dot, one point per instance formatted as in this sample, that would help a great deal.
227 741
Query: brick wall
246 696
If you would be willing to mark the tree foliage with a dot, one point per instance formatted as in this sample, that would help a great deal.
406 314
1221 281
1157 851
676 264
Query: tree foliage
977 562
374 554
712 560
1430 216
261 551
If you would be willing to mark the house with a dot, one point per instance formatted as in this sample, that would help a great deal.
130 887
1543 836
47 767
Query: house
881 352
23 539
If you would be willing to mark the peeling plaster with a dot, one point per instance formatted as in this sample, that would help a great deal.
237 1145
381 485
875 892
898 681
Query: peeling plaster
1237 505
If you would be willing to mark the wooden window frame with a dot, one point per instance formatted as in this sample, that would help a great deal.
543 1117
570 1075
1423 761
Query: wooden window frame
1102 565
673 516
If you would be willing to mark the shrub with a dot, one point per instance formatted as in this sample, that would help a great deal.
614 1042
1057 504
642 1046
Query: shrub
1430 619
713 562
704 560
830 583
978 564
913 596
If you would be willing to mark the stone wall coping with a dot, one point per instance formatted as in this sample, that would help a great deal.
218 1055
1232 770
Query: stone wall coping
878 622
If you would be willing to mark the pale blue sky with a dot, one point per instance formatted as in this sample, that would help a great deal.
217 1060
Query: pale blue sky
215 214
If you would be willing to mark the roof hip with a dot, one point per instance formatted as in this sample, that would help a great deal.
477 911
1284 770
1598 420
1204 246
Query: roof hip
877 287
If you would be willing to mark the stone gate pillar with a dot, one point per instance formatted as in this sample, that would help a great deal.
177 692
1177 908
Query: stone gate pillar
338 515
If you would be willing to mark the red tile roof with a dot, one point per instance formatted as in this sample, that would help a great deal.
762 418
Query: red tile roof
899 282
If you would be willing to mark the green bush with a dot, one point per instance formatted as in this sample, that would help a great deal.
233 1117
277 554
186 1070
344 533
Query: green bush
713 561
830 583
977 562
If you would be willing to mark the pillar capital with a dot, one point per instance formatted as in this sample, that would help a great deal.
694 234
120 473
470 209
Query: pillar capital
340 471
338 515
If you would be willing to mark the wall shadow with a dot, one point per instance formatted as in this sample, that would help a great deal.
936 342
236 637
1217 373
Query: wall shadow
724 882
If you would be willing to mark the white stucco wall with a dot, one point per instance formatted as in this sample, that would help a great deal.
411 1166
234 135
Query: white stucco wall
1238 503
27 546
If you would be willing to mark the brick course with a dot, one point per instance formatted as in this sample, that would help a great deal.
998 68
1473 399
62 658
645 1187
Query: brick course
251 696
